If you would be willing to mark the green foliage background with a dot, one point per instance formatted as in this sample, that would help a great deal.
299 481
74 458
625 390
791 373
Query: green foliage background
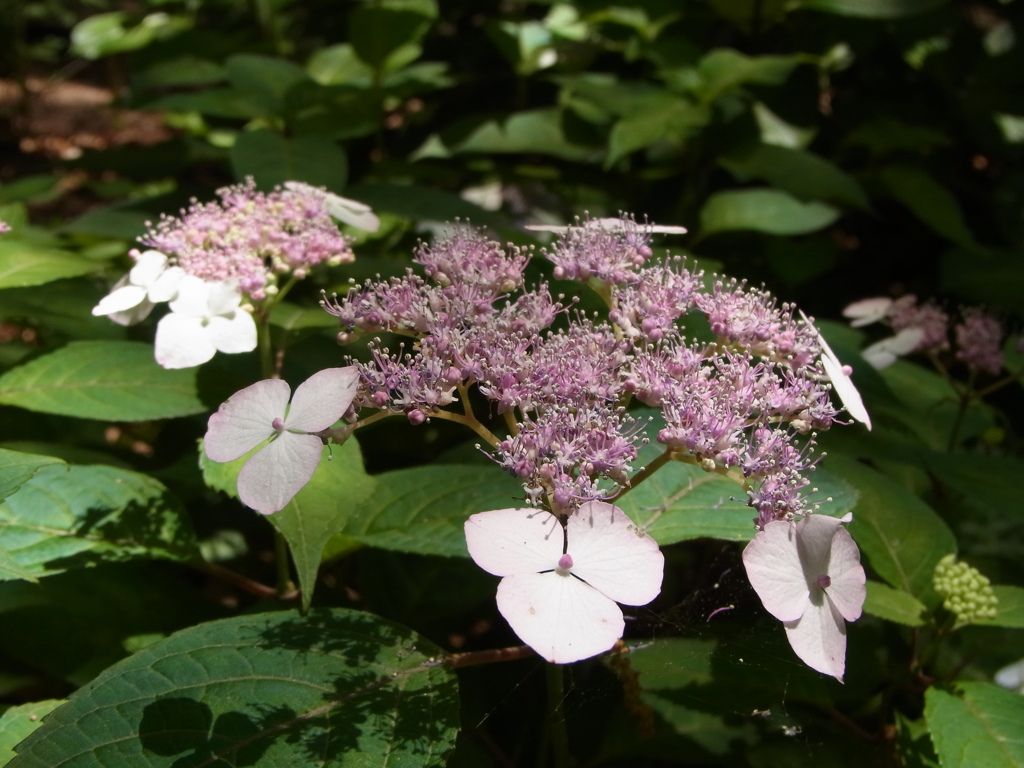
832 149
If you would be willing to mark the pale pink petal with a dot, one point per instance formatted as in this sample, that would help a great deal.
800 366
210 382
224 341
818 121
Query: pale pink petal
182 341
510 541
819 637
867 311
245 419
612 556
192 298
272 477
773 567
322 398
848 590
233 334
560 617
121 299
148 267
166 285
814 534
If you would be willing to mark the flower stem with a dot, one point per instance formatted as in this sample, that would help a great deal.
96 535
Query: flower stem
475 658
470 421
647 471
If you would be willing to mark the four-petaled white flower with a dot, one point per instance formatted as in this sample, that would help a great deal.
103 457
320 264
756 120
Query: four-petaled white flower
205 318
868 311
273 475
561 585
148 283
884 353
808 575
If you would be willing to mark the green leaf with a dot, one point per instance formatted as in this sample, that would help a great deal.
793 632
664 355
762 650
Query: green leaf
110 380
675 120
337 492
273 159
991 277
105 33
333 688
18 722
893 605
418 203
873 9
24 264
268 79
378 34
929 201
71 518
724 69
901 536
764 210
537 131
1009 611
977 725
801 173
17 468
292 317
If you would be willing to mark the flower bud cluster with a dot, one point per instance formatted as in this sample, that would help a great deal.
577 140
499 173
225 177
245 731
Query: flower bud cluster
965 592
745 401
251 237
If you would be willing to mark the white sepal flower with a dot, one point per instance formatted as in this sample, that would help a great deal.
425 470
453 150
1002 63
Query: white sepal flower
148 283
205 318
561 586
273 475
808 575
868 311
839 375
884 353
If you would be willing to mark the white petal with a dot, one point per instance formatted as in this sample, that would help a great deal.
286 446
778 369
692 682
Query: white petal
509 541
166 286
322 398
773 567
134 315
814 535
148 267
842 384
819 637
877 356
182 341
867 311
223 297
611 555
121 299
559 616
351 212
192 298
1011 676
233 334
883 353
245 419
272 477
848 590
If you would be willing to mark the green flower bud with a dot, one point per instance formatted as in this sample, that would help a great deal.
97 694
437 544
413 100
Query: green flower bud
965 592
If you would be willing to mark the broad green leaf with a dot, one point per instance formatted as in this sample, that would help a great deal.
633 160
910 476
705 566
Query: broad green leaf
378 33
914 744
763 210
103 34
292 317
338 492
24 264
987 483
933 204
75 517
724 69
273 159
12 570
267 78
110 380
991 277
901 536
537 131
217 102
177 72
423 509
339 65
675 121
885 135
1010 611
16 468
873 9
977 725
333 688
124 221
893 605
803 174
18 722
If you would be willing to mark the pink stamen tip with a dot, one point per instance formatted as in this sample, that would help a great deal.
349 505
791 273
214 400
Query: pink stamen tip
277 424
565 562
847 370
824 581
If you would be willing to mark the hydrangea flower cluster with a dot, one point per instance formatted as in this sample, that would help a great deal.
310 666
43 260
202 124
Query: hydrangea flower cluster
745 402
977 337
965 591
215 258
